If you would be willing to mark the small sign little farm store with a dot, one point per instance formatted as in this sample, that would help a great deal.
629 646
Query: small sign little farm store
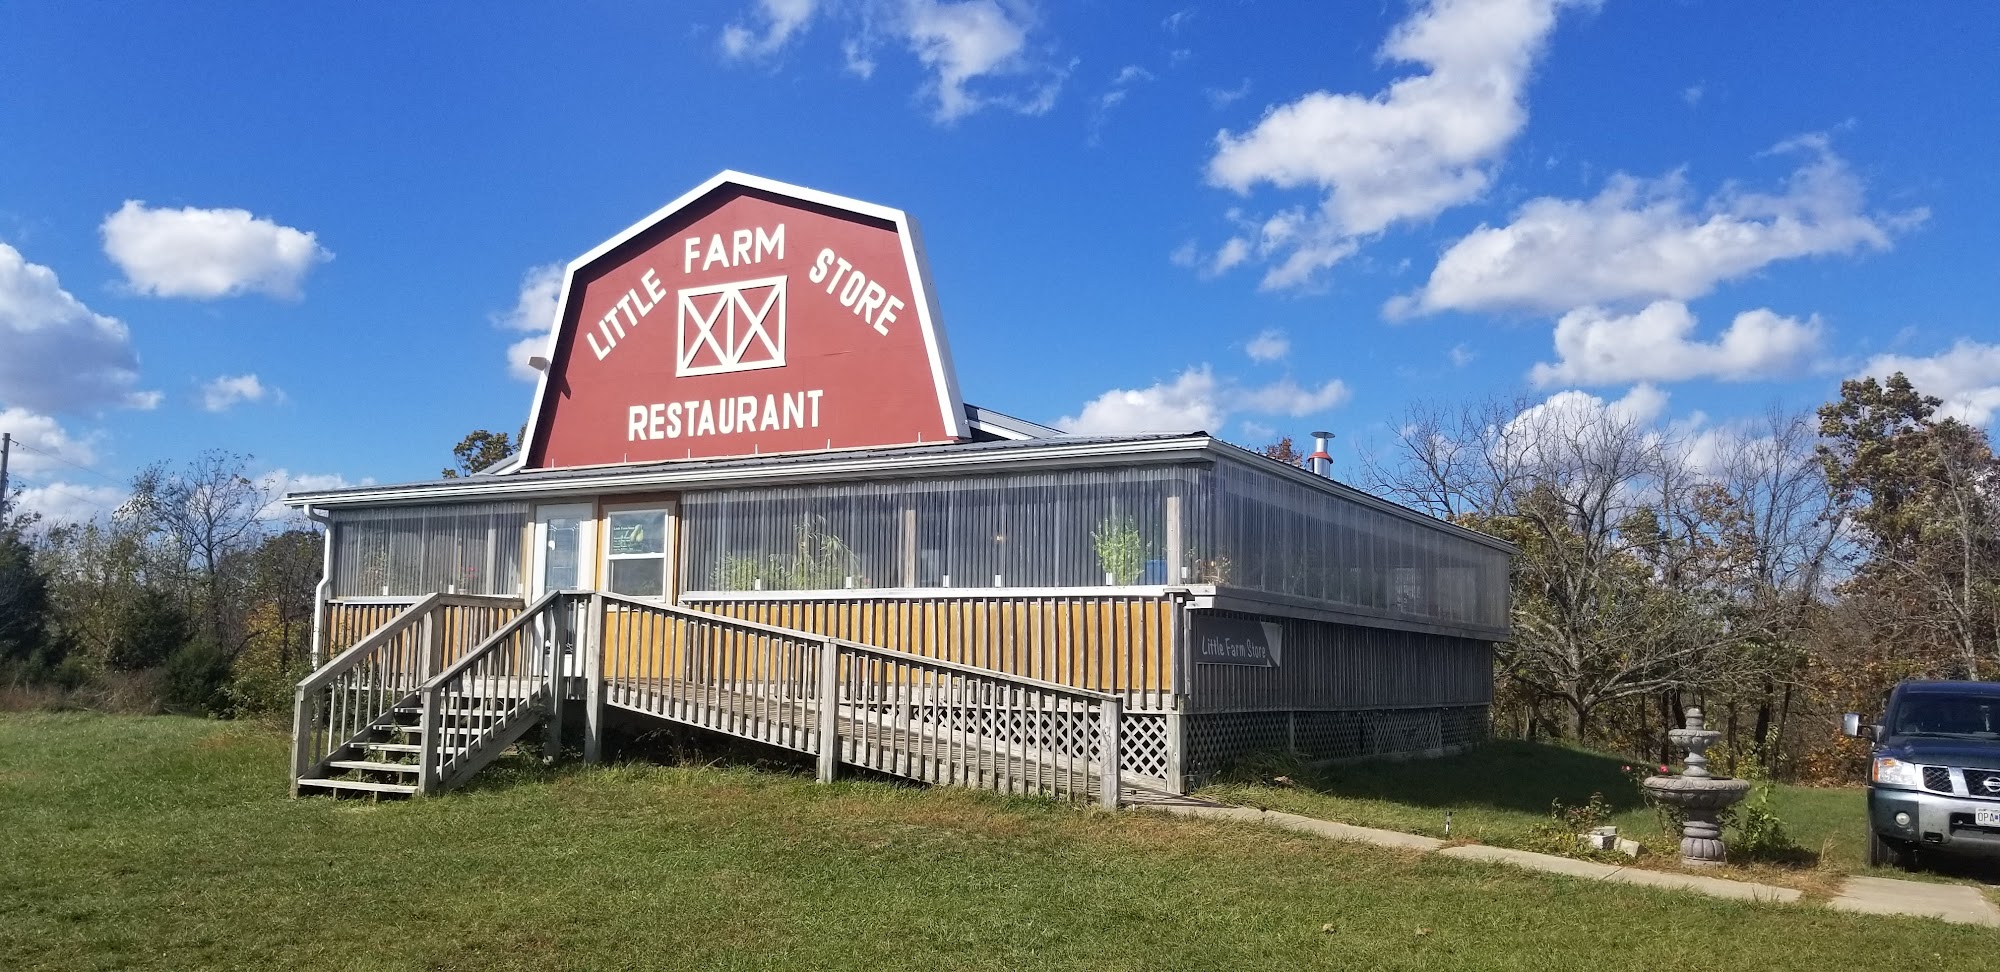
1236 641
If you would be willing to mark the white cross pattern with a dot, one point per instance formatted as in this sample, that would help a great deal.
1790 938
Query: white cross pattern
745 341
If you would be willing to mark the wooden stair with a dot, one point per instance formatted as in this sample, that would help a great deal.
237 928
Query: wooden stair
382 763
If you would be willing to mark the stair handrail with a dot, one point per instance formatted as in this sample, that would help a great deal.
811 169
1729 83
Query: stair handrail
306 697
432 765
352 656
505 631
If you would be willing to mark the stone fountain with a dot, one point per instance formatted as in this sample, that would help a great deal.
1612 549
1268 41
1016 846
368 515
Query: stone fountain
1700 795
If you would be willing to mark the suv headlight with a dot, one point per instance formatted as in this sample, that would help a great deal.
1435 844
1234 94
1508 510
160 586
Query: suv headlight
1895 772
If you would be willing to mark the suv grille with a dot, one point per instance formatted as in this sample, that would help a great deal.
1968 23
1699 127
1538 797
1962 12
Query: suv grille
1982 783
1939 778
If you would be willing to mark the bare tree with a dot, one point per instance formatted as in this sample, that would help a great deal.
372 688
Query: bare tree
1617 591
205 512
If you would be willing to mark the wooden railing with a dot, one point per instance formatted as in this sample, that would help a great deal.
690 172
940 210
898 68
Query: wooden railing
1117 641
361 687
876 708
496 690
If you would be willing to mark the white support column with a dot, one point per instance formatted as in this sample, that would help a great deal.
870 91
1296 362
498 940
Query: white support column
1111 719
1176 543
829 710
430 771
593 676
433 635
305 719
550 637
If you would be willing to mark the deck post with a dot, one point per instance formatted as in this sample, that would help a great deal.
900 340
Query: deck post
829 709
1110 718
430 777
552 637
305 715
593 677
433 635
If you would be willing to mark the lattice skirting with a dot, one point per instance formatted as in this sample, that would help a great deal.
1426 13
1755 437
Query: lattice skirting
1144 737
1215 741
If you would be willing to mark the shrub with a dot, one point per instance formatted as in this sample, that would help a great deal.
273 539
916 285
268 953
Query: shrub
196 679
1559 832
1757 832
151 629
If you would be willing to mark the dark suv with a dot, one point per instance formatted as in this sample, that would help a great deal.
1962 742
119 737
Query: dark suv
1934 781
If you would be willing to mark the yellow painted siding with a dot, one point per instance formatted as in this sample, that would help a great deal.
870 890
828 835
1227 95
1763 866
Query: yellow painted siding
1109 644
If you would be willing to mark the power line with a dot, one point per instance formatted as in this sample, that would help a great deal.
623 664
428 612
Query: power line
107 477
88 502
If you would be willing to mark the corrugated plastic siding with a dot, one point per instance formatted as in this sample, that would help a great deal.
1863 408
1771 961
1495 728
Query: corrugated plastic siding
470 548
1262 531
1071 528
1335 666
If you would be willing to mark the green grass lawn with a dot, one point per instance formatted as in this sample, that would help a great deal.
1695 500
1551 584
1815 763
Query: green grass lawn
1497 794
165 843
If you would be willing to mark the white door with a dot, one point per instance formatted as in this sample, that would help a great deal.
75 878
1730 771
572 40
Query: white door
565 549
565 555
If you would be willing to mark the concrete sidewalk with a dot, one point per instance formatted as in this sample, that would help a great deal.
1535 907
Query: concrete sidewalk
1886 896
1867 895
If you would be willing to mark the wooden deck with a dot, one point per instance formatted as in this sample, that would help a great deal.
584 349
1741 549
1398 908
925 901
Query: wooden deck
412 688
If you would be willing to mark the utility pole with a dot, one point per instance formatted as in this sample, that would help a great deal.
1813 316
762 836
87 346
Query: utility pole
6 446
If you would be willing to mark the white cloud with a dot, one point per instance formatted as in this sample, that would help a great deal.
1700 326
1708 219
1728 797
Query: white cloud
1178 19
207 253
1597 347
278 482
1197 400
533 313
59 355
1187 403
60 502
1423 145
1269 345
977 53
1967 378
1461 355
1287 397
1257 431
1219 98
779 20
1564 411
1121 86
227 391
1650 240
1692 94
966 41
44 437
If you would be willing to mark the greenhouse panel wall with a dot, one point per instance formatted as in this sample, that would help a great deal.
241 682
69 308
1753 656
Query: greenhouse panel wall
407 551
1269 533
1069 528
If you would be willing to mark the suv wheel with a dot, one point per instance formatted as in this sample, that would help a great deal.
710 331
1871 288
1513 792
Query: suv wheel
1885 852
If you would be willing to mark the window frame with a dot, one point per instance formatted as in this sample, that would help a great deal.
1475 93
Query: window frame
668 511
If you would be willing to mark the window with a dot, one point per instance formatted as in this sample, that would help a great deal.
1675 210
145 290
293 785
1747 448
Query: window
635 553
403 551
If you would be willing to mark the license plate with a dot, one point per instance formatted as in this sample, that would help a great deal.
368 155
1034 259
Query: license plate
1986 817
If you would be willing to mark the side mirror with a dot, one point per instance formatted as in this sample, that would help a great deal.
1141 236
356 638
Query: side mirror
1850 725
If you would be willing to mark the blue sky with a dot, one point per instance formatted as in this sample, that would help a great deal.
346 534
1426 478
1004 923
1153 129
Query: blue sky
312 234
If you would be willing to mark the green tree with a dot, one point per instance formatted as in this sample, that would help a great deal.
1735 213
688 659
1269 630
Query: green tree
28 648
152 627
1923 494
479 450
